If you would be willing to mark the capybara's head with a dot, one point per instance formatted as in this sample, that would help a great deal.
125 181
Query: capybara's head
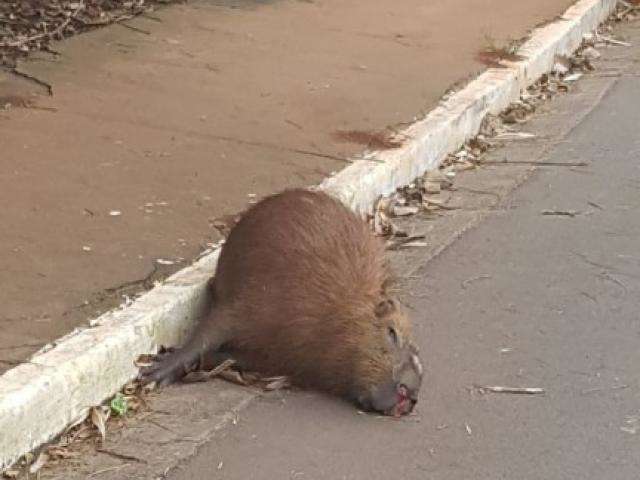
388 370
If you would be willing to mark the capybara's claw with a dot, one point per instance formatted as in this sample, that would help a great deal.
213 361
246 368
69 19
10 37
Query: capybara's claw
165 369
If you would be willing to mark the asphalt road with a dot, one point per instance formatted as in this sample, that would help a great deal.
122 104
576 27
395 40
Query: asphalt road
524 299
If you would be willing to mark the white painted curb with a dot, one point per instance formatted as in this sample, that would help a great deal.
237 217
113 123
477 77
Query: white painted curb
41 398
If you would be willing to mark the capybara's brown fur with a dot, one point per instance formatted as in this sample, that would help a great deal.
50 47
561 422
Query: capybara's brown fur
301 289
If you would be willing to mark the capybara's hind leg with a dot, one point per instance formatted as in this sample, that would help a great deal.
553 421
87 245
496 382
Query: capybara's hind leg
172 365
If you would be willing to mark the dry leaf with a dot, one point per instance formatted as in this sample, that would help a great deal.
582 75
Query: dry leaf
414 244
204 375
145 360
573 77
515 136
591 53
233 377
58 452
432 187
382 224
276 383
462 166
99 417
40 462
130 388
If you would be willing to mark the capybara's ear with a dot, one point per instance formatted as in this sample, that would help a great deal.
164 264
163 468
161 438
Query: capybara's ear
386 307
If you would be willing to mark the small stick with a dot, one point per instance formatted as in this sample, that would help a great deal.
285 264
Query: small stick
220 368
203 376
546 164
34 79
438 204
135 29
109 469
561 213
512 390
468 281
613 41
394 245
594 390
120 456
626 11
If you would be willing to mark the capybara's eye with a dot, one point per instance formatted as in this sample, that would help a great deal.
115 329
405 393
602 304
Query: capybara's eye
393 336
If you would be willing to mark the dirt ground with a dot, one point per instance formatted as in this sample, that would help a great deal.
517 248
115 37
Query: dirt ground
161 125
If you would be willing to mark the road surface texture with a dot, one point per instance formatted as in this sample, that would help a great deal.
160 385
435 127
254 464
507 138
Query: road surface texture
174 118
503 295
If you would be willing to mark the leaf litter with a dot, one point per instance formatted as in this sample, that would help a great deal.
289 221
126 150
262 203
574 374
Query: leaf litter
117 411
28 26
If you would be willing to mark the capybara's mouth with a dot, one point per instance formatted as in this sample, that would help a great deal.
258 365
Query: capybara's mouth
404 403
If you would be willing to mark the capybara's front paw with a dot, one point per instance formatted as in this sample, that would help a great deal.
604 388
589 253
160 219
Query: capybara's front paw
167 367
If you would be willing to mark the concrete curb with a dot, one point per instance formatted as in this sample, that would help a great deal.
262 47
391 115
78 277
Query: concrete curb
56 388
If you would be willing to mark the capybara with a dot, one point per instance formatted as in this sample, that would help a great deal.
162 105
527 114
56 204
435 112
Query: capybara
302 289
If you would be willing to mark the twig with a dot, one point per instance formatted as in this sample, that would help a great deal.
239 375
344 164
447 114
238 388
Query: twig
545 164
589 296
34 79
439 204
626 12
159 425
203 376
560 213
601 389
221 368
291 122
512 390
151 17
394 245
611 278
613 41
587 260
109 469
515 136
121 456
468 281
326 155
135 29
133 283
479 192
